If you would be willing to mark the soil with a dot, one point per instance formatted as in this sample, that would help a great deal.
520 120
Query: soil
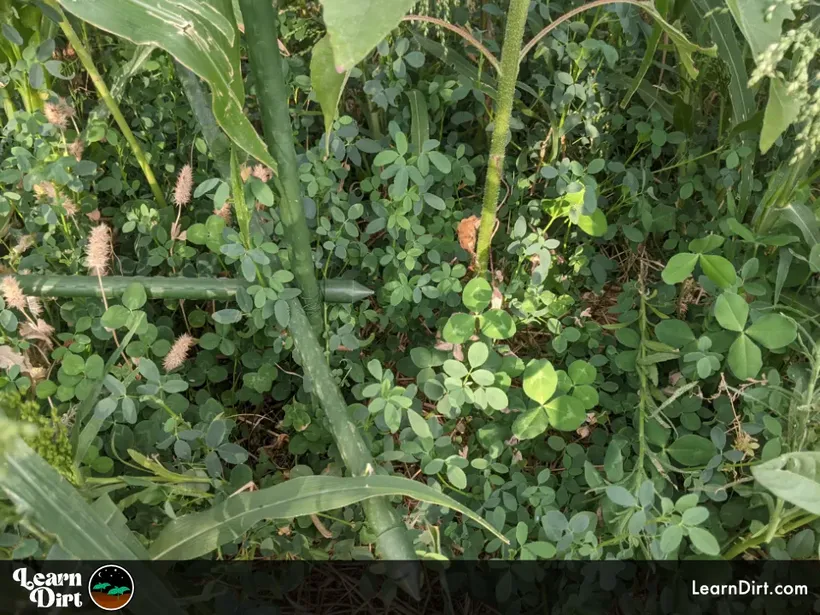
110 602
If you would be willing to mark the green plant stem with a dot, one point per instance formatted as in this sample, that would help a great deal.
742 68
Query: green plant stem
261 29
756 541
119 82
461 32
774 522
392 539
513 37
645 393
803 410
569 15
105 94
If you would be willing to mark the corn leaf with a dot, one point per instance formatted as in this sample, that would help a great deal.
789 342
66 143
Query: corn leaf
201 35
200 533
355 27
327 84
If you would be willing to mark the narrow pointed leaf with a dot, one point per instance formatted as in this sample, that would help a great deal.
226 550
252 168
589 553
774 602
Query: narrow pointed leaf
327 84
197 534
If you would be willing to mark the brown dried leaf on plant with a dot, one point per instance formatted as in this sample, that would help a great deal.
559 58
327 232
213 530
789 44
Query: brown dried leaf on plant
40 331
468 234
58 113
10 357
224 212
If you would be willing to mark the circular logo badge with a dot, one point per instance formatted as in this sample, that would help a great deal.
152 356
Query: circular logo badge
111 587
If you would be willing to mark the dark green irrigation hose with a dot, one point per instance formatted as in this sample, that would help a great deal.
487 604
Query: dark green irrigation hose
195 289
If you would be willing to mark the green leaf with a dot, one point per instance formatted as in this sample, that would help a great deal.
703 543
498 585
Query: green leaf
620 496
581 372
496 398
198 534
327 84
457 477
760 32
718 269
11 34
773 331
695 515
477 354
732 312
477 295
459 328
566 413
134 296
202 35
691 450
282 311
804 219
355 27
781 112
115 317
530 424
419 120
744 358
540 380
671 537
544 550
81 531
419 425
148 369
440 161
679 268
702 245
675 333
227 317
73 364
497 324
117 522
587 395
594 224
741 95
683 45
704 541
795 477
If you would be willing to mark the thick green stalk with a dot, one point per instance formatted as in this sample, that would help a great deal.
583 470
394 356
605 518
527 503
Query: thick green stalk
157 287
261 29
105 94
393 541
200 104
513 37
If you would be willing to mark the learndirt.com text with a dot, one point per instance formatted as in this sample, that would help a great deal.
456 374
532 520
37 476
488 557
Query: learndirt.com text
748 588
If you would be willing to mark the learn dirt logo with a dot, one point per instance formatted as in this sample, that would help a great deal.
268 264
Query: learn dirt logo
111 587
